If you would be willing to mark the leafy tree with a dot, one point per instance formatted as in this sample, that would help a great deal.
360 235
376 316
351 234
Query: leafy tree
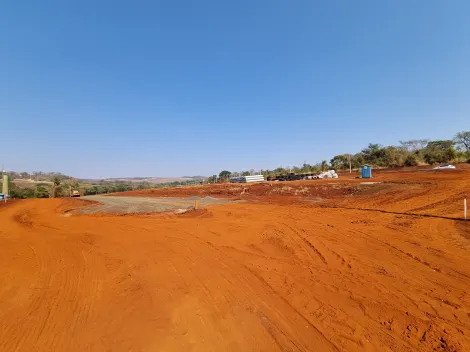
441 144
55 184
357 160
15 191
414 144
280 171
449 154
62 190
439 152
41 192
212 179
394 157
265 173
20 192
374 154
296 170
225 175
28 193
120 188
307 168
340 162
462 139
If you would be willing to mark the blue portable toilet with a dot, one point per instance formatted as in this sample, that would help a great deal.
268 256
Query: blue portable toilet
366 171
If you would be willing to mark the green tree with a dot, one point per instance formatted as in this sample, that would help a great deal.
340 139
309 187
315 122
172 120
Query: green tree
307 168
28 193
296 170
41 192
225 175
394 157
119 188
212 179
461 156
55 184
374 154
439 152
357 160
266 173
15 191
340 162
280 171
414 145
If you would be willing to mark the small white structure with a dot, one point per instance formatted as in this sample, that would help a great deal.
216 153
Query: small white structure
247 179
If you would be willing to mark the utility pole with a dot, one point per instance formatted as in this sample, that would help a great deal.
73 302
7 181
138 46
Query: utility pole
5 190
465 209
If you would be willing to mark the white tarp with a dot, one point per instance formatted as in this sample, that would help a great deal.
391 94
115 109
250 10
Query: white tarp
328 174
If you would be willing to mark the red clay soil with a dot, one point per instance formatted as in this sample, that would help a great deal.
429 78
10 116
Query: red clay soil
254 190
415 190
253 276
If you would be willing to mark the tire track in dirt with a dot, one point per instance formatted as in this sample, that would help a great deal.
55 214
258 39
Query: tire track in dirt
308 245
287 342
6 293
281 336
320 336
57 279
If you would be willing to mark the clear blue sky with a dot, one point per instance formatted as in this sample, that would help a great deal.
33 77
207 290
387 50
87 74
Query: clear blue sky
96 88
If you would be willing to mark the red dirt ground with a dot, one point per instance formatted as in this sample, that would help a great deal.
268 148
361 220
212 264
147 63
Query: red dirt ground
279 273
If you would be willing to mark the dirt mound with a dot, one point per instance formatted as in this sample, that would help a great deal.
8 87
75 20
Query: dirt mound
411 190
296 189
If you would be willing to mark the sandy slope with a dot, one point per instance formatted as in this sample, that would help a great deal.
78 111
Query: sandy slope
261 276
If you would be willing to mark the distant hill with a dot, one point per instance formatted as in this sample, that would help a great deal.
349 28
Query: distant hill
38 176
153 180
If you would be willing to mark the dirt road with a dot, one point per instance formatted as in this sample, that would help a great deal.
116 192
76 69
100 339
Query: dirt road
254 276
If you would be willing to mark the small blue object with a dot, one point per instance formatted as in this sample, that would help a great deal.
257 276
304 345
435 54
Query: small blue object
2 196
366 171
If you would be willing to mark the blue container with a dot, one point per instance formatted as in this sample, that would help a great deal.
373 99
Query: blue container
366 171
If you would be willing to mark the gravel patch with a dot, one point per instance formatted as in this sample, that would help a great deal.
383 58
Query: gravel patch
129 205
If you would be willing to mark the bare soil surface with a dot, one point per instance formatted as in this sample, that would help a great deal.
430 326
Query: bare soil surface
320 266
131 205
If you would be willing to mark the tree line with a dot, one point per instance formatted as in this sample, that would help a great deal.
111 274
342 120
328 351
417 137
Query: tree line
106 187
60 186
408 153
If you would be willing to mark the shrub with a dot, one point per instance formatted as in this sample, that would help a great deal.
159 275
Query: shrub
411 160
42 192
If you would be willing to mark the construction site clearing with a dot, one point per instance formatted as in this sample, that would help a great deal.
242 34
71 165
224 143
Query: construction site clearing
333 265
286 177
